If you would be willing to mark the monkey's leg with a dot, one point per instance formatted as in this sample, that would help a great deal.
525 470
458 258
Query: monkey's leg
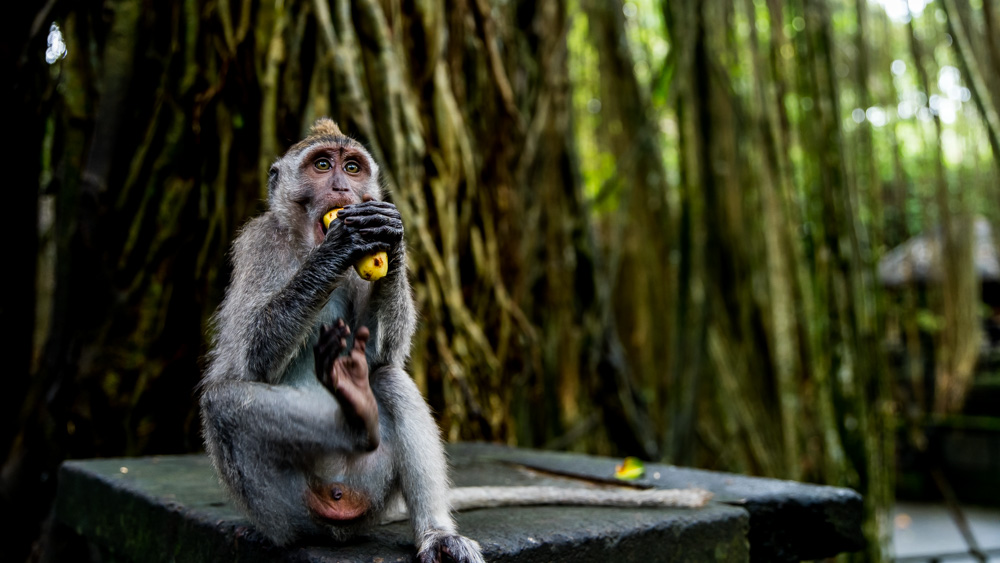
265 439
413 437
347 377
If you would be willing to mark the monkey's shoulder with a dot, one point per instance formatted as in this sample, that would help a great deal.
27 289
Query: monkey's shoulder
262 233
264 252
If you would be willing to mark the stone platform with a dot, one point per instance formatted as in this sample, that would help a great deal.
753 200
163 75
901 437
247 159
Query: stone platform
170 508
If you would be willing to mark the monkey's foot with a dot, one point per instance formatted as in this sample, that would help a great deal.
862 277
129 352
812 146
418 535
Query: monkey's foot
349 383
337 502
440 547
331 344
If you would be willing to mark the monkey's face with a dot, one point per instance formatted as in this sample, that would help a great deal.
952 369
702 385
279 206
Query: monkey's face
329 173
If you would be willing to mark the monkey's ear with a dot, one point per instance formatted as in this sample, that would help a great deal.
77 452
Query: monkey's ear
272 181
325 126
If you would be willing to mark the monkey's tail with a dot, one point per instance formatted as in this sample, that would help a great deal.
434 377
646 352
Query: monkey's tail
470 498
467 498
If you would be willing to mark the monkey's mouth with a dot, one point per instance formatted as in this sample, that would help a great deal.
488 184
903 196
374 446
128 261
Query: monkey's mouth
319 231
327 219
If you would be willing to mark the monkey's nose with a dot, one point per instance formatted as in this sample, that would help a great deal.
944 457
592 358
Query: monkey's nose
340 185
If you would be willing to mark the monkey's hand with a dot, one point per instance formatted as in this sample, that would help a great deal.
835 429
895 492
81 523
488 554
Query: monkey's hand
448 548
379 225
347 378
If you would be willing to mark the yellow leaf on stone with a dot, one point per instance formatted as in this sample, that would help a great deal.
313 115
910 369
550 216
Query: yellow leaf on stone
632 468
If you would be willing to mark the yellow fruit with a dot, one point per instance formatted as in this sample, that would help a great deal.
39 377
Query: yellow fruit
372 267
329 217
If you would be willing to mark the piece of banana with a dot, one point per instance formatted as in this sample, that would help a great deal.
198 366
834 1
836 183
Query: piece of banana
372 267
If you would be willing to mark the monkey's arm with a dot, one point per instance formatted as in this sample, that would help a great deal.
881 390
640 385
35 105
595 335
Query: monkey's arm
274 301
390 313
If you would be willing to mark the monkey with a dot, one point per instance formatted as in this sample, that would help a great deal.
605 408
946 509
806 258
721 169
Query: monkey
313 427
312 424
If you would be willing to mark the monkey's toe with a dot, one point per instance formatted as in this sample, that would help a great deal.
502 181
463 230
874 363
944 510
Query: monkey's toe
361 339
450 548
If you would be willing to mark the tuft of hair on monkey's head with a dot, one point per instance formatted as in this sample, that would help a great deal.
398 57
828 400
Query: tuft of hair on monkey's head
326 130
325 126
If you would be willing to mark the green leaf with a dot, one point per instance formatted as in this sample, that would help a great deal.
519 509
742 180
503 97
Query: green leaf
632 468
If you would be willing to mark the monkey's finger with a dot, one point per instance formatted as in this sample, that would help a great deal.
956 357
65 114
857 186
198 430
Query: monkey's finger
352 221
382 234
370 203
369 208
372 247
366 222
390 213
375 221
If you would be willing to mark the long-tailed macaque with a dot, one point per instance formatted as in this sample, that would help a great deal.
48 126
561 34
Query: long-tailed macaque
312 424
308 440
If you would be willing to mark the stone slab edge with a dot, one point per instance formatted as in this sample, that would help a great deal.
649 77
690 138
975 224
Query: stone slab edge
789 521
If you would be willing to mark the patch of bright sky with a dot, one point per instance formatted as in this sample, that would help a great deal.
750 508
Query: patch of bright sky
647 38
948 99
900 11
913 103
946 105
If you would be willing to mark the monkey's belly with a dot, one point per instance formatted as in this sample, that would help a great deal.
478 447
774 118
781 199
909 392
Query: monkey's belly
337 502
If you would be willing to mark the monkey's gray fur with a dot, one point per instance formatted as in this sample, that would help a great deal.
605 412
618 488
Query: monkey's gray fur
272 428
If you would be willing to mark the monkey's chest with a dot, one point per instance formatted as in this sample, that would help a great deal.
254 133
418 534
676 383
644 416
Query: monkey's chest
340 306
301 370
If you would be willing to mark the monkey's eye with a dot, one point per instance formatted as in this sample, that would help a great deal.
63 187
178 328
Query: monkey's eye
352 167
323 165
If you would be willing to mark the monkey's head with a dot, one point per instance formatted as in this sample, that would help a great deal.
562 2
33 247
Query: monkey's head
324 171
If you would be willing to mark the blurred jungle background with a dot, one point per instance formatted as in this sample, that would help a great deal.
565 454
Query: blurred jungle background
747 235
